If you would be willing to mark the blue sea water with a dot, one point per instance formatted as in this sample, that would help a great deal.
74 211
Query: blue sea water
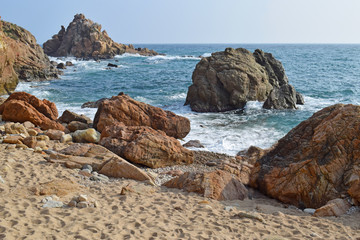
324 74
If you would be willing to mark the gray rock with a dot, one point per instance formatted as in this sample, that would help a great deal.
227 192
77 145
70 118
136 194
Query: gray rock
299 99
100 178
310 210
194 144
72 203
88 167
53 204
229 208
82 198
82 204
2 180
281 98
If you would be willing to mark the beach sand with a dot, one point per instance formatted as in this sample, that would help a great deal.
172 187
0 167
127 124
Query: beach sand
144 212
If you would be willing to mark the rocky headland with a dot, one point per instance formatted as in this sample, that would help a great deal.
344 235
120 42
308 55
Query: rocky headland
228 80
21 58
84 39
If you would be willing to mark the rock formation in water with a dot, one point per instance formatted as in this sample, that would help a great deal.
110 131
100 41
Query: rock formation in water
227 80
84 39
317 161
21 58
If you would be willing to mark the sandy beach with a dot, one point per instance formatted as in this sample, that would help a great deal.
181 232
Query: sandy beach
144 211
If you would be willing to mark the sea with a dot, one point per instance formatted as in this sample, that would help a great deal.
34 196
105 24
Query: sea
325 74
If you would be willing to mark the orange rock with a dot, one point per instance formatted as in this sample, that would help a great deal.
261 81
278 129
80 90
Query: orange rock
315 162
336 207
13 139
218 185
124 109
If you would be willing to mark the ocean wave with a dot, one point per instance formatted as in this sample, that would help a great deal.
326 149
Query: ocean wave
125 55
206 55
177 96
161 58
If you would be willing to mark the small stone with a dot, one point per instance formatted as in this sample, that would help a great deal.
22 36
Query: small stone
28 124
279 214
66 138
314 235
96 204
83 205
229 208
32 132
42 138
211 163
309 210
85 172
38 150
204 202
55 198
1 180
15 139
82 198
99 177
42 145
87 167
76 199
21 146
45 200
10 147
53 204
72 204
54 134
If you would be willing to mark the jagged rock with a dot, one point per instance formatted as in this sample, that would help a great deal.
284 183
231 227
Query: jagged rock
21 58
95 104
283 97
89 135
124 109
84 39
299 99
317 161
218 185
227 80
22 107
68 117
146 146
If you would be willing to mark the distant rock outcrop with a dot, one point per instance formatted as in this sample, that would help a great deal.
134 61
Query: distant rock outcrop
84 39
227 80
317 161
21 58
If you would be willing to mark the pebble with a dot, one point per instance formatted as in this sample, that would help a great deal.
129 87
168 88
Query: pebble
229 208
314 235
211 163
72 203
47 199
2 180
82 205
87 167
53 204
309 210
99 177
82 198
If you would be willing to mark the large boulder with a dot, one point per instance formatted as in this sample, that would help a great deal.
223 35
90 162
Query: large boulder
124 109
144 145
227 80
317 161
281 98
21 58
218 185
22 107
84 39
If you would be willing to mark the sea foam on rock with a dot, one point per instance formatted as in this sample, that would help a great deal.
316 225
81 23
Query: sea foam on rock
227 80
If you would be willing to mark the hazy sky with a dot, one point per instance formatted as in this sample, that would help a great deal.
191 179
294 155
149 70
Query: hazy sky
196 21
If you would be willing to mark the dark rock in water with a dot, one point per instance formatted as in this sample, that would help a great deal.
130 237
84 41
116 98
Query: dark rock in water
84 39
21 58
95 104
315 162
69 64
227 80
299 99
281 98
61 66
112 65
194 144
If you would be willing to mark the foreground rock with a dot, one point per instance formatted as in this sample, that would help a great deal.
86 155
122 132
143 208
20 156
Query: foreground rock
227 80
21 58
336 207
146 146
22 107
124 109
218 185
315 162
84 39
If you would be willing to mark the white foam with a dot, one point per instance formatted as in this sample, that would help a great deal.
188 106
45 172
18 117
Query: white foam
161 58
125 55
206 55
178 96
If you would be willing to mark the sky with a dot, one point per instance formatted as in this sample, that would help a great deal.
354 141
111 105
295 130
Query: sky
196 21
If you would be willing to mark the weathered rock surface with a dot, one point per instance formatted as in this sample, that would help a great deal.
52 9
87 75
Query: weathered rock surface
335 207
22 107
218 185
124 109
68 117
146 146
84 39
317 161
21 58
95 104
89 135
283 97
227 80
193 144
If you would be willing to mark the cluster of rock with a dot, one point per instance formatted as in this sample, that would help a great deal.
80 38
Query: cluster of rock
21 58
84 39
228 80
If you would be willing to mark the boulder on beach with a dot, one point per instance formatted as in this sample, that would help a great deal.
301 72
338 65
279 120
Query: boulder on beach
218 185
144 145
124 109
22 107
84 39
228 80
317 161
21 58
68 117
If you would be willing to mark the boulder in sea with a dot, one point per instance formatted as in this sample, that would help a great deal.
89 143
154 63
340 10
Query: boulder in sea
21 58
315 162
283 97
144 145
22 107
61 66
218 185
227 80
124 109
84 39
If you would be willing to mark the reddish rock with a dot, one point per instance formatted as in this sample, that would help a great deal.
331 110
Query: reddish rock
31 142
315 162
218 185
54 134
45 107
22 111
146 146
336 207
68 117
124 109
17 139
